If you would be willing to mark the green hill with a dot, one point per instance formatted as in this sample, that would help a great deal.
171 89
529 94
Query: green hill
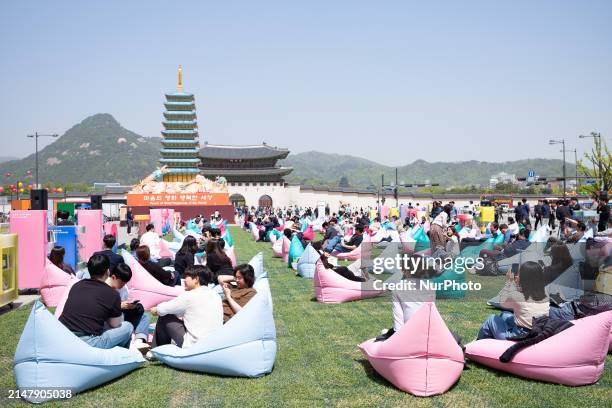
99 149
96 150
316 168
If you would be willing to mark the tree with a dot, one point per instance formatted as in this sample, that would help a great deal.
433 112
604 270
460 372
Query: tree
344 183
590 165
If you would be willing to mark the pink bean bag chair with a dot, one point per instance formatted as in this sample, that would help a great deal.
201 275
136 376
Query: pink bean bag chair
573 357
164 251
231 254
53 284
422 358
353 255
255 232
144 287
277 248
332 288
309 233
62 301
286 245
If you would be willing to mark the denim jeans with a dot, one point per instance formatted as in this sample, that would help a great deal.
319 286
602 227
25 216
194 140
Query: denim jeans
563 312
500 327
335 244
119 336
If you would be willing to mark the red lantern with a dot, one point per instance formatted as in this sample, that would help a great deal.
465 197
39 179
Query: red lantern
30 187
1 189
12 186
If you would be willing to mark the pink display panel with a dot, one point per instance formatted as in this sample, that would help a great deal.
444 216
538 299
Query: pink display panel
90 240
161 217
31 228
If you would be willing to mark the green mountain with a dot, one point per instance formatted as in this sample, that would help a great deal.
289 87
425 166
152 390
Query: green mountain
99 149
316 168
96 150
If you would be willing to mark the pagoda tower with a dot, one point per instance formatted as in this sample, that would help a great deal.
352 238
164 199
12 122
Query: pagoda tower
180 145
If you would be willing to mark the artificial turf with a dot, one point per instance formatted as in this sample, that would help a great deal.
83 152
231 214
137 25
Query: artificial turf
318 363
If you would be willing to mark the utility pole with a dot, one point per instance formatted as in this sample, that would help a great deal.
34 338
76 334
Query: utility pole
562 142
36 135
396 191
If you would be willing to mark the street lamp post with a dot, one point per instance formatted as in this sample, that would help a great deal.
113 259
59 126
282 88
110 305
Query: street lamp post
562 142
594 135
36 135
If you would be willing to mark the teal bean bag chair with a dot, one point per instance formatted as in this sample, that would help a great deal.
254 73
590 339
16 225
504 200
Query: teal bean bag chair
50 356
448 277
245 346
422 240
472 252
227 237
295 250
307 264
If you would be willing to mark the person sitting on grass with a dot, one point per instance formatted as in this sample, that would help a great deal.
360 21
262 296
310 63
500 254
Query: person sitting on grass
526 296
144 258
337 243
133 312
237 297
109 242
92 305
191 316
56 256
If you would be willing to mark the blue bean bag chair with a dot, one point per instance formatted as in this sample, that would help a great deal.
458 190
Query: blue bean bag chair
307 264
244 347
48 355
295 250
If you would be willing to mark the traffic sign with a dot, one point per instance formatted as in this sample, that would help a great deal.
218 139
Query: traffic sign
531 173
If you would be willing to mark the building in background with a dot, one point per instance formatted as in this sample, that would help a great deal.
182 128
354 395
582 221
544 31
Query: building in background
179 151
252 173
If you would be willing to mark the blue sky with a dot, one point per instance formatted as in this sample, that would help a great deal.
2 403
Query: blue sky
392 81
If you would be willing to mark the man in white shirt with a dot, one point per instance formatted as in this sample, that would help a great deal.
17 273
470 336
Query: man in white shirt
152 240
191 316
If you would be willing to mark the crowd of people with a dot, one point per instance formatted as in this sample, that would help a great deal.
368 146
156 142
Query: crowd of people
100 310
524 296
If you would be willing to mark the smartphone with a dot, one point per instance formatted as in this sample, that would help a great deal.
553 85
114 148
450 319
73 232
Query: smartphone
515 268
136 302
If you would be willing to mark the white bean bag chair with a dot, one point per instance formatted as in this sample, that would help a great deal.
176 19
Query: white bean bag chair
307 263
422 358
568 285
50 356
54 283
244 347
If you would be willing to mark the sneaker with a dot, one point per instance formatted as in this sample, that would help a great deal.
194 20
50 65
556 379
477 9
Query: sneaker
142 346
149 356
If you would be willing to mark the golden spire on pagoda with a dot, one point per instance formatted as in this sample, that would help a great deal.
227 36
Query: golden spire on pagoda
180 79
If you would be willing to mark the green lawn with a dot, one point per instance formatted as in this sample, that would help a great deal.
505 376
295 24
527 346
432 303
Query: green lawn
318 363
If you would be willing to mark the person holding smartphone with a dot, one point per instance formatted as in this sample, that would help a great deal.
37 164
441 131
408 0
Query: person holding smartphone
132 310
524 294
